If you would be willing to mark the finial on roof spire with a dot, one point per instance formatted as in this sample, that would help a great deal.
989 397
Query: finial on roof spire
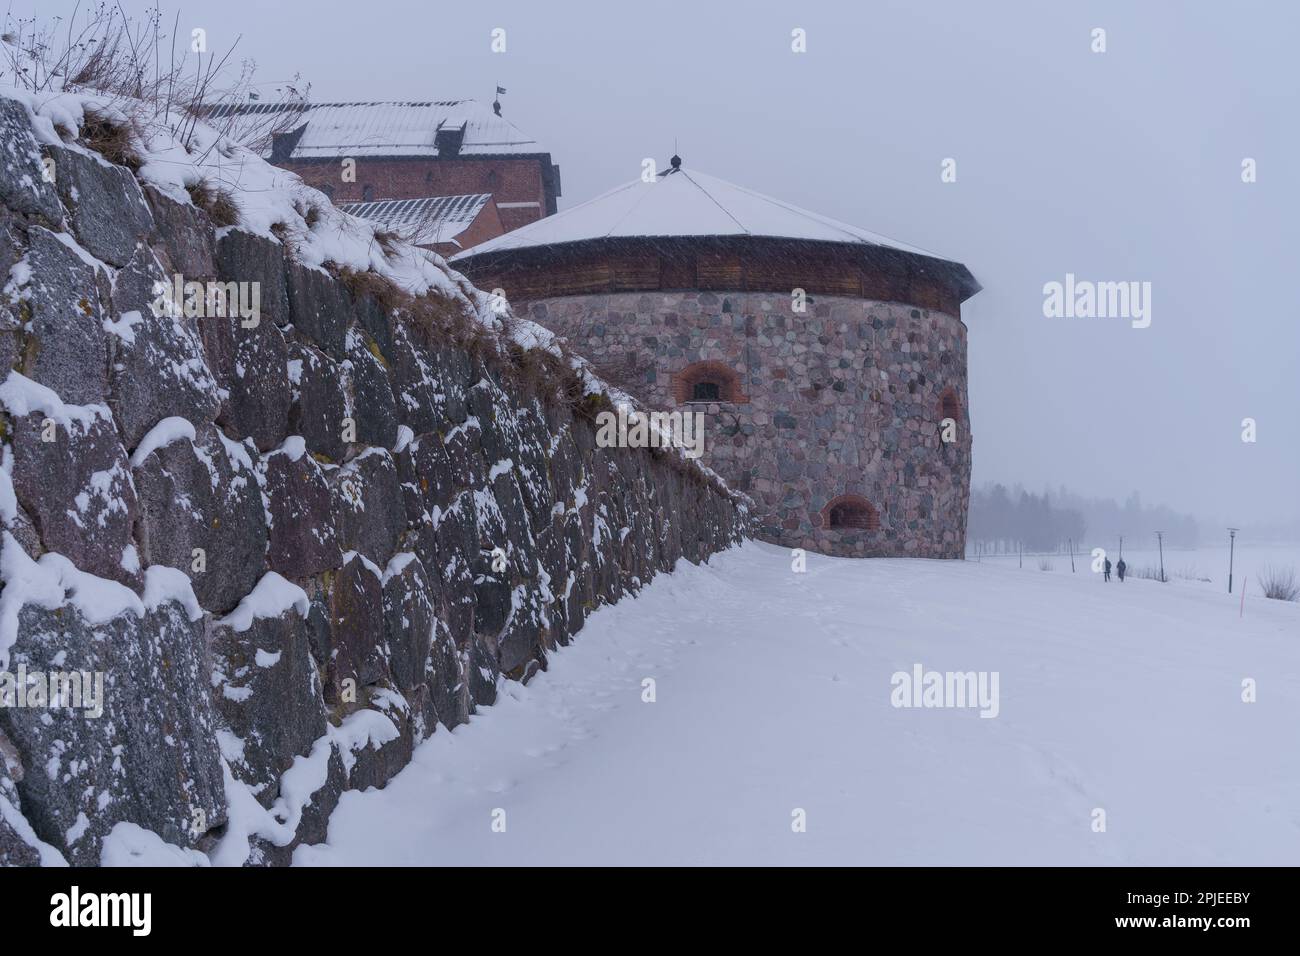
676 165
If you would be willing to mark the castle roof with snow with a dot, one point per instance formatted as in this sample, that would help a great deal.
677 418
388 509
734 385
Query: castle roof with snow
427 221
687 229
682 202
428 129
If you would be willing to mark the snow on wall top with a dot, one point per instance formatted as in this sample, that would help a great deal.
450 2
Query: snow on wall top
683 202
396 129
266 195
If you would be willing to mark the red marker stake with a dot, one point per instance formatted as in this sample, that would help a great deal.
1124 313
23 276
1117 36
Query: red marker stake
1243 598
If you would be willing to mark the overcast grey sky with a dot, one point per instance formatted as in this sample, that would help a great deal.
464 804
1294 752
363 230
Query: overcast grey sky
1123 165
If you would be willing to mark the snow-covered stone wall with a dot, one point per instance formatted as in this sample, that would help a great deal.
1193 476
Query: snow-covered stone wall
251 560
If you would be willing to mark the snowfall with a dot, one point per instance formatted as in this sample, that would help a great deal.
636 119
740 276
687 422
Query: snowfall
741 712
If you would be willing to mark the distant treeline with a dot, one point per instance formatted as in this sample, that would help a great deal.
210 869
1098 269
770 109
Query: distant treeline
1003 519
1273 531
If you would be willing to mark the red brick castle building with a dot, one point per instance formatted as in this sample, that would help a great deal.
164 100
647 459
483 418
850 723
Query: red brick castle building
454 171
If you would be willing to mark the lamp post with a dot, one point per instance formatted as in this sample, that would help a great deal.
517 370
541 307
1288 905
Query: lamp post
1232 539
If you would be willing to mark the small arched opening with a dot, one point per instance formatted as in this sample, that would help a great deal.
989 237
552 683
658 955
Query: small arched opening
949 405
707 381
706 391
850 513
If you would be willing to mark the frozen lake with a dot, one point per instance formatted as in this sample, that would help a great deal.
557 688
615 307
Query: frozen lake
1182 566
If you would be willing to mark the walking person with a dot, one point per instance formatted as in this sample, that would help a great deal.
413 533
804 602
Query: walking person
1105 570
1120 568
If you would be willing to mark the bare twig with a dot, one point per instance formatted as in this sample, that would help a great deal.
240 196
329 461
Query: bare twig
102 50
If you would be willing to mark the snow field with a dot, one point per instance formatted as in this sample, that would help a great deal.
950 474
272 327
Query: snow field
773 694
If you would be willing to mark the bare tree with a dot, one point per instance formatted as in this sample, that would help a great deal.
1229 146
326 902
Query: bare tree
136 66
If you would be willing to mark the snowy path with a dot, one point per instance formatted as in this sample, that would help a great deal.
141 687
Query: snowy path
774 693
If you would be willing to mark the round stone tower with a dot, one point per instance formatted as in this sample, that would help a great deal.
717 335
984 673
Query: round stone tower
830 362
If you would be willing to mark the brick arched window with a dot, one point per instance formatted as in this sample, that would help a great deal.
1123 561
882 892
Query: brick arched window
949 405
707 382
850 512
706 390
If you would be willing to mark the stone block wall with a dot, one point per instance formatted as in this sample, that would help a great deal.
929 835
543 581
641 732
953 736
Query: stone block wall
845 398
292 550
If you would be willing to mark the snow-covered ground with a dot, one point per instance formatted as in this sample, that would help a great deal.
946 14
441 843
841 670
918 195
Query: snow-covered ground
773 695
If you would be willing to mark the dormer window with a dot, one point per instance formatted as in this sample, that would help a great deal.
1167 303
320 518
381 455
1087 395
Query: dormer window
449 138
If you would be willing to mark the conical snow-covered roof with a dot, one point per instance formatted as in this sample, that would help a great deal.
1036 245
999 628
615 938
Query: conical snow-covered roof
683 203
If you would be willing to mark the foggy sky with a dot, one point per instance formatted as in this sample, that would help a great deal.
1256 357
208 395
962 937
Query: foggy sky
1117 166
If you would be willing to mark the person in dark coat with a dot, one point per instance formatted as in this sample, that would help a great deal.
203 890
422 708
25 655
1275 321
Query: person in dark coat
1120 568
1105 570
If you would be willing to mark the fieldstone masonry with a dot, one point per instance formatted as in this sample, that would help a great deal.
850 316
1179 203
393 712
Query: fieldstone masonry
845 398
268 593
